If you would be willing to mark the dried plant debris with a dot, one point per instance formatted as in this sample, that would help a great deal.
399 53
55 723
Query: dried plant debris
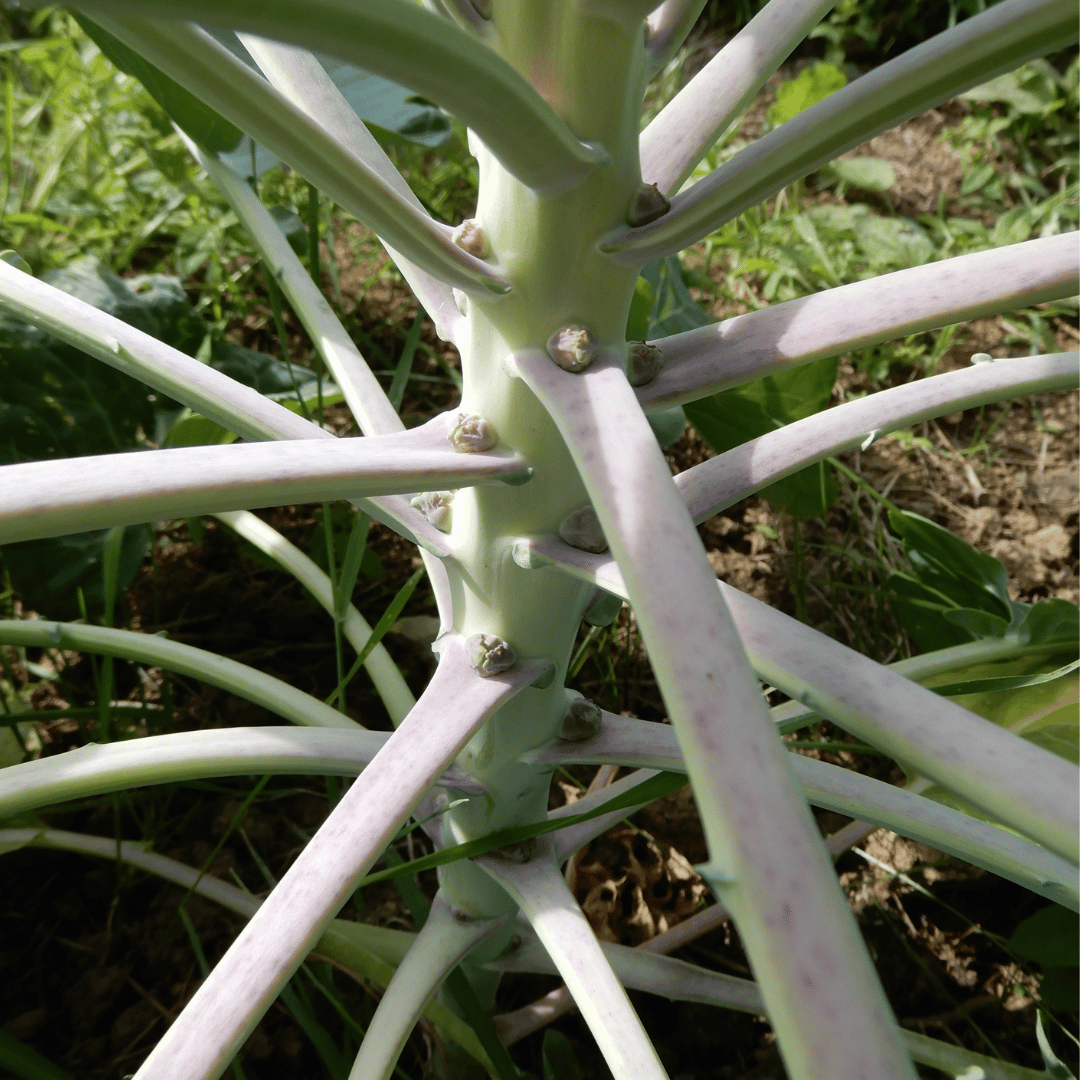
633 887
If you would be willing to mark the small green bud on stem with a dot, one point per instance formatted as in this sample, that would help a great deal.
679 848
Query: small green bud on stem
573 348
649 204
489 655
581 529
518 853
435 506
471 237
471 434
582 720
643 363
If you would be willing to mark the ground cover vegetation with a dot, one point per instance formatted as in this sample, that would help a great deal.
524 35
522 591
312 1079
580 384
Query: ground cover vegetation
921 539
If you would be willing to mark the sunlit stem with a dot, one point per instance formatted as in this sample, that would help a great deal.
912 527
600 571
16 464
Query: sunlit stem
546 902
782 336
303 80
443 941
765 851
225 1009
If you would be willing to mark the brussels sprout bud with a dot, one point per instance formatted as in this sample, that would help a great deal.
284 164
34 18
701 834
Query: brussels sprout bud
643 363
581 529
471 237
649 204
582 721
461 301
518 853
489 655
573 348
471 434
435 506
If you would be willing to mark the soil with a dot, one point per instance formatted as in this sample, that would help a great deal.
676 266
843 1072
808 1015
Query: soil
97 961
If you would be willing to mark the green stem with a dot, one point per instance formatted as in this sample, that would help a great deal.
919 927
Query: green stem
154 651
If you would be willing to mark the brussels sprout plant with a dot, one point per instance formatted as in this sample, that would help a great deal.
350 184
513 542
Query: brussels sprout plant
545 498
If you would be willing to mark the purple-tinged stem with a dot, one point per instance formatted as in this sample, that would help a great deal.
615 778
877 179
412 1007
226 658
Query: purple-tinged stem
989 44
678 980
246 682
668 27
236 407
695 118
767 864
397 40
443 942
298 75
541 893
627 742
202 65
195 755
1015 781
51 498
228 1005
773 339
723 480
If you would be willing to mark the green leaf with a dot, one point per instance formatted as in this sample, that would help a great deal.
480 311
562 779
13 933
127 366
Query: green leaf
978 624
1058 989
893 242
728 419
1051 621
296 1001
193 429
977 178
1044 709
942 561
1055 1068
867 173
379 630
25 1062
1048 937
342 519
47 573
55 401
12 751
292 228
641 306
668 425
604 610
558 1055
1007 682
13 258
674 309
212 132
920 609
813 84
754 265
257 369
1022 90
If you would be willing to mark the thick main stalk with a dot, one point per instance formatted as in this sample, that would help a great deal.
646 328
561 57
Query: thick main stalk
592 72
